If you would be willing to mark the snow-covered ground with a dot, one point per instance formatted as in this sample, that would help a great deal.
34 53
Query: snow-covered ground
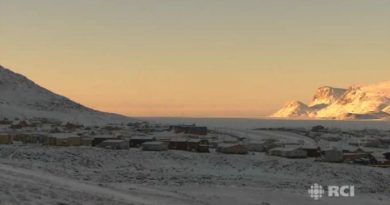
36 174
246 123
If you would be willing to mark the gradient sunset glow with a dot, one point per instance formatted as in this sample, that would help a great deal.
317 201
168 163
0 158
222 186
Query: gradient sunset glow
197 58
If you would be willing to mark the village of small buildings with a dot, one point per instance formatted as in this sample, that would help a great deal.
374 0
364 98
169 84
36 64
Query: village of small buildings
156 137
180 158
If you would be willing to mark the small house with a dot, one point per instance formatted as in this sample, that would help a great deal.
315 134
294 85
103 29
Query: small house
271 143
114 144
275 152
100 138
294 153
255 147
354 155
232 149
63 139
19 137
333 155
387 155
312 151
154 146
138 141
19 124
5 139
87 141
268 146
5 121
360 158
213 144
198 145
30 138
178 144
69 141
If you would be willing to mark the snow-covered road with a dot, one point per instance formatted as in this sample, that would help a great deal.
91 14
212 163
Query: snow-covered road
66 187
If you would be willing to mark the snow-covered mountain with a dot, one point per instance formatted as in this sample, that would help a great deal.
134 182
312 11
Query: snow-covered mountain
294 109
327 95
387 109
357 102
22 98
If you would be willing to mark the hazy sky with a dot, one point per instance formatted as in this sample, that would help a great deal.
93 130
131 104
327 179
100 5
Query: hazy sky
242 58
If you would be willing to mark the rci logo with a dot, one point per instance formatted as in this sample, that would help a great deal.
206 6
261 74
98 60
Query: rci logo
316 191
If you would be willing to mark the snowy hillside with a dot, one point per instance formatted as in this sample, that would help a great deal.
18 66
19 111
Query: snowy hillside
22 98
294 109
357 102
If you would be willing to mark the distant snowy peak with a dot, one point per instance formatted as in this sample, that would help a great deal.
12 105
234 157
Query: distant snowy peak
357 102
327 95
293 109
387 110
22 98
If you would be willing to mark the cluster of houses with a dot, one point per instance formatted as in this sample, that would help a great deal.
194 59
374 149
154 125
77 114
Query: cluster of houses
366 147
195 143
358 156
186 138
190 143
192 138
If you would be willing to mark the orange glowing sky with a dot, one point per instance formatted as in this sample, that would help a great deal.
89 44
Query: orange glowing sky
195 57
